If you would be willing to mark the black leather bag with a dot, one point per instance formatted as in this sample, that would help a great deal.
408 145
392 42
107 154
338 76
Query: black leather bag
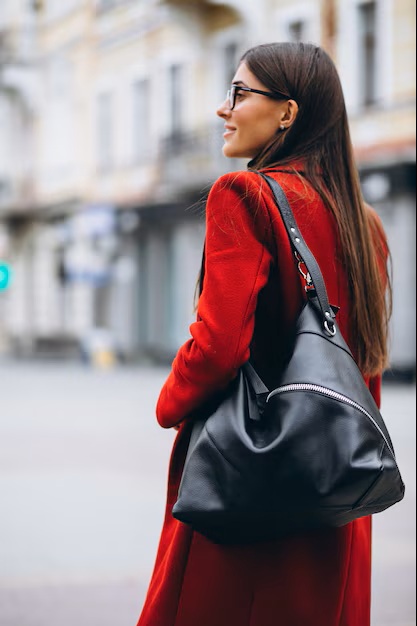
312 453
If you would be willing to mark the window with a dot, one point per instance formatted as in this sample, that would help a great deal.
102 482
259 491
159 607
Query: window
367 53
59 76
105 131
56 9
230 57
4 14
103 5
300 21
297 31
141 119
108 5
176 95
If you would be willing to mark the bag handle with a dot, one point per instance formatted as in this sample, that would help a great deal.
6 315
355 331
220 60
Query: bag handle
300 246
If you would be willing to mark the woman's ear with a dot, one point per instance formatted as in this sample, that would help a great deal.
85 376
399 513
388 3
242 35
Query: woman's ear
288 114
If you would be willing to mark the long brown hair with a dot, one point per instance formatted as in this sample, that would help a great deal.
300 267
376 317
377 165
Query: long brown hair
320 136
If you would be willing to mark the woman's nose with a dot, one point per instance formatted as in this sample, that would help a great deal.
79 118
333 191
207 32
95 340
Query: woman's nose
224 110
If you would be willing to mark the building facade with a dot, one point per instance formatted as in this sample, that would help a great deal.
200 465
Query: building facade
124 144
18 101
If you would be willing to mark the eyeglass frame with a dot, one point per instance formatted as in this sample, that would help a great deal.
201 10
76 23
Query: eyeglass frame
232 93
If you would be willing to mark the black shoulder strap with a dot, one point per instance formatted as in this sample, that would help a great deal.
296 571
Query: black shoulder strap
303 250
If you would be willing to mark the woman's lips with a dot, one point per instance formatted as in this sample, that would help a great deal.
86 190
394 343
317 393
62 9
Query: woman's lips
229 130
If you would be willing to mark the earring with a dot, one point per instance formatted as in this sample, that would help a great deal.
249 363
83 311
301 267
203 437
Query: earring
282 127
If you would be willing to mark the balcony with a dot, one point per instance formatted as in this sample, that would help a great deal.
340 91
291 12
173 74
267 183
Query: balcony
17 56
6 47
103 6
221 5
16 195
200 3
213 14
190 160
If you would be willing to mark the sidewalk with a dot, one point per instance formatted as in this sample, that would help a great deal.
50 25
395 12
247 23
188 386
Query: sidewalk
82 484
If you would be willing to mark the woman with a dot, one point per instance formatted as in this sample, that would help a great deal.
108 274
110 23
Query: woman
286 113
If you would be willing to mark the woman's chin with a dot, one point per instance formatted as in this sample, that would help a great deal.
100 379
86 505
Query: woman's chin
232 153
228 151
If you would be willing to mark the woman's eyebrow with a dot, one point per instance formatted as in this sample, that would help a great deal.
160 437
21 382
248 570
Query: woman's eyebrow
239 82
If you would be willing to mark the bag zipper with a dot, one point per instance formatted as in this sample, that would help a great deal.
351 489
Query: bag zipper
335 396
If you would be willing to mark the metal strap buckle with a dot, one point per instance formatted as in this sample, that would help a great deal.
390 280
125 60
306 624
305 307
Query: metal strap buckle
304 273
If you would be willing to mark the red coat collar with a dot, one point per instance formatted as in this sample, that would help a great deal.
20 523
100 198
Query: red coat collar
297 164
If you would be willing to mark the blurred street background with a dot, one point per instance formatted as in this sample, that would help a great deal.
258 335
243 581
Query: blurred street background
108 146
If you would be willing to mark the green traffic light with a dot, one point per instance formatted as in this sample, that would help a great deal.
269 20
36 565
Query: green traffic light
5 276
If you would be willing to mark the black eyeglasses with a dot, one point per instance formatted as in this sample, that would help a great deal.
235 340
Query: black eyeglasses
234 90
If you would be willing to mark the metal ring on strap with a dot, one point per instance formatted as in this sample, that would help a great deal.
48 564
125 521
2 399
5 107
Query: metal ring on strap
330 331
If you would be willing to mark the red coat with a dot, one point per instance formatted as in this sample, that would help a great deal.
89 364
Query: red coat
252 295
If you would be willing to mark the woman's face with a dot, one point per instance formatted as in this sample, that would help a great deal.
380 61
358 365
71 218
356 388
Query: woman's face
255 120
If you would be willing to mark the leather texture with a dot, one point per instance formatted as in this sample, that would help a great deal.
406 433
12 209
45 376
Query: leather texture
301 247
267 463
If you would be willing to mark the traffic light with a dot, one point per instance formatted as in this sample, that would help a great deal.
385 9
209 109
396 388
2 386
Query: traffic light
5 276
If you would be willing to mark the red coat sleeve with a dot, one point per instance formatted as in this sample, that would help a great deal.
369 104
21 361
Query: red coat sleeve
236 270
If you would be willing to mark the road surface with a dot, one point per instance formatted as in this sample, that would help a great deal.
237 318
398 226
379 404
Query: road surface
82 487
